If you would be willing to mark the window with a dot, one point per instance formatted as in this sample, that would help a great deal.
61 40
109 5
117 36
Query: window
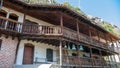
3 13
13 16
49 55
0 44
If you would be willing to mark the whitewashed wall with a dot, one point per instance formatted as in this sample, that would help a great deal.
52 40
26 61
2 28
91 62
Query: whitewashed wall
39 51
21 15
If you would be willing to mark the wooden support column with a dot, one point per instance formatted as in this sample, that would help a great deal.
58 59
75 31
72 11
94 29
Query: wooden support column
78 52
60 44
78 33
106 40
60 52
98 34
61 22
7 16
24 18
90 34
102 63
91 57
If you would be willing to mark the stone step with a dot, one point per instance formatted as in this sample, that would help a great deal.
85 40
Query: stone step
33 66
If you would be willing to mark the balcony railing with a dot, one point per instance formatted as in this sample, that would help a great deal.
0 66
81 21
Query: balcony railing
68 33
83 61
16 27
10 25
34 29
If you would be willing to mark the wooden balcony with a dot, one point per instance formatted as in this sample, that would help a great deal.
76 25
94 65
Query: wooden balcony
76 61
10 26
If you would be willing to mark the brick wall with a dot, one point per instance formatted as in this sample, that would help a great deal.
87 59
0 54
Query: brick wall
7 52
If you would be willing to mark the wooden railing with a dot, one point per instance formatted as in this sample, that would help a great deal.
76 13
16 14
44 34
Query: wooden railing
82 61
14 26
10 25
41 30
71 34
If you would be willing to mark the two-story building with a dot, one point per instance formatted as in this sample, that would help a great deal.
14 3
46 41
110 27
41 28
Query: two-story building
39 35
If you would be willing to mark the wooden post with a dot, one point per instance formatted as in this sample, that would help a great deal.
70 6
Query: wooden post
6 23
61 23
60 51
78 33
90 34
106 40
91 57
98 35
102 63
22 27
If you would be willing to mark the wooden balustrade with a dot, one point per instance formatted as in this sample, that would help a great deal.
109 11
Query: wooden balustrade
71 34
83 61
84 38
10 25
40 29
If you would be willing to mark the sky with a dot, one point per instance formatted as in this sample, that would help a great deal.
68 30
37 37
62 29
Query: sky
108 10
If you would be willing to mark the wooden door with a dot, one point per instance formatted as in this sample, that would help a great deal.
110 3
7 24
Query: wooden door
28 54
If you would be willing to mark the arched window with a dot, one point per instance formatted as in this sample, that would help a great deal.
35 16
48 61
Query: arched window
13 16
3 13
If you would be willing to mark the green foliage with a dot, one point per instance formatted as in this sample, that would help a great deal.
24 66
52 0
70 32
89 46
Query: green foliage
72 7
110 28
